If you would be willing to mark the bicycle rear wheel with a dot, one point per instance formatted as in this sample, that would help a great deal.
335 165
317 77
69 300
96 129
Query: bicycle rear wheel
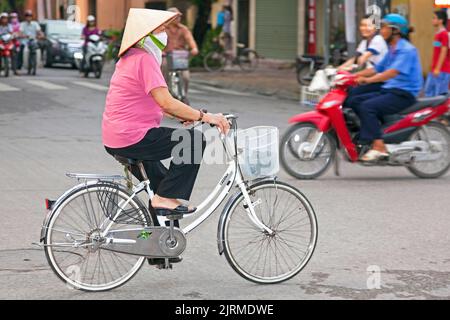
267 259
248 60
214 61
73 240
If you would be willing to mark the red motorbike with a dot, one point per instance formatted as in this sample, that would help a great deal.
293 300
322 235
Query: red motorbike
414 137
6 51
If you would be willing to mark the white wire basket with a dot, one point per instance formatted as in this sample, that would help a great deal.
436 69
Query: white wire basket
178 60
259 155
311 98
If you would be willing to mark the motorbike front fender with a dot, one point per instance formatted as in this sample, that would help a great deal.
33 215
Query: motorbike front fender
320 120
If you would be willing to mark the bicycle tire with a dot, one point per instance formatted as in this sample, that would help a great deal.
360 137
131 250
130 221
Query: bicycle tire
57 211
248 60
228 251
214 61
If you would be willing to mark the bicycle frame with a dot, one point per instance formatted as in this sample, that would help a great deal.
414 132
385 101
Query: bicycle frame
231 177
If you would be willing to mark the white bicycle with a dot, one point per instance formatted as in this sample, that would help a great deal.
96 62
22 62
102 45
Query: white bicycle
98 234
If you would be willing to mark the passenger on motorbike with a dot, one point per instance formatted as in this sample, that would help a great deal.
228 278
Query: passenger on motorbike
89 30
372 49
401 74
5 27
179 38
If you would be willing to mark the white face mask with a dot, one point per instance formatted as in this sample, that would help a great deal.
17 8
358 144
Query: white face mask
155 44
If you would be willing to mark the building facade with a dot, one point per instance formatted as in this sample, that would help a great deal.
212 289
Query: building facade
281 29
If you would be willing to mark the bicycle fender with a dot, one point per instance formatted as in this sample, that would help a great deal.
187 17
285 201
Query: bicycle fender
223 215
58 203
320 120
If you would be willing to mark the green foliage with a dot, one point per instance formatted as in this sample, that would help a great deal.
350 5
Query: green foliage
8 6
210 44
115 37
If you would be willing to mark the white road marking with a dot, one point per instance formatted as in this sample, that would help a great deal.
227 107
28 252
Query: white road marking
46 85
225 91
91 85
7 88
195 91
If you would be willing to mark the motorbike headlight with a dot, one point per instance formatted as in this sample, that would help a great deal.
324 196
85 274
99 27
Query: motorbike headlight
78 55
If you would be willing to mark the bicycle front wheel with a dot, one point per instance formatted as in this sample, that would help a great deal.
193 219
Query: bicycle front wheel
73 243
214 61
255 254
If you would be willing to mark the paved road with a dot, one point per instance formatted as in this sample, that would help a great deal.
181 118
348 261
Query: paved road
50 125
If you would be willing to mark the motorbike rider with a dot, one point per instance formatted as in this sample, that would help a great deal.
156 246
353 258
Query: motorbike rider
89 30
5 27
29 29
15 25
179 38
401 74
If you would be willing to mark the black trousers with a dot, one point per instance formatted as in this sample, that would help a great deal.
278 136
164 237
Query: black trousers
186 146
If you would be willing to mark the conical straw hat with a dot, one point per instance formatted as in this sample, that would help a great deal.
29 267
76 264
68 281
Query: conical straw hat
141 22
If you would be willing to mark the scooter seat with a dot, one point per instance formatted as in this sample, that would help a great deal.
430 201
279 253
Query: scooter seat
423 103
312 57
127 161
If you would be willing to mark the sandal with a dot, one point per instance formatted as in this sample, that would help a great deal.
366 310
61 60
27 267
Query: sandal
177 211
374 155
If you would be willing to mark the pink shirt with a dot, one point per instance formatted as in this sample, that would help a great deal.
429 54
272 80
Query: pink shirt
130 109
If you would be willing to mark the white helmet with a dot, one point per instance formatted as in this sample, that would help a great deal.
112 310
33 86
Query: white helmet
90 18
4 15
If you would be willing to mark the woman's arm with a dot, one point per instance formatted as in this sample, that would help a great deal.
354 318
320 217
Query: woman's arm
347 64
364 58
182 111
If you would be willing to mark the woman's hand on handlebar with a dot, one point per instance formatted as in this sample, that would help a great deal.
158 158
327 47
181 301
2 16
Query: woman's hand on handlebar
218 120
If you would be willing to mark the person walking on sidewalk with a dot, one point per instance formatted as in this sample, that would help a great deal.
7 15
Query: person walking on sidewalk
439 78
179 38
226 29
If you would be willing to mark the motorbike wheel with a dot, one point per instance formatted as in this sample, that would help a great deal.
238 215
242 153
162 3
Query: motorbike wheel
303 75
48 59
32 63
294 157
6 66
98 70
437 132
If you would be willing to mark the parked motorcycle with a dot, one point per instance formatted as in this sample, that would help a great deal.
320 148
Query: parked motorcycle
95 57
414 137
307 65
6 53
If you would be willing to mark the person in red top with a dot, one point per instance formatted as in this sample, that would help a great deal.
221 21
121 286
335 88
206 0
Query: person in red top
439 78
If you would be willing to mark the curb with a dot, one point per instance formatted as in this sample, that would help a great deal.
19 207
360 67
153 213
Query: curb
280 93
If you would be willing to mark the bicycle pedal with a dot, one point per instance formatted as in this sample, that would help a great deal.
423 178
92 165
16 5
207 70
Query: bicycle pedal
164 266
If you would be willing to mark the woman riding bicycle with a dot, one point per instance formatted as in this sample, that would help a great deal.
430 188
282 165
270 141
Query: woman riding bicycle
137 100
